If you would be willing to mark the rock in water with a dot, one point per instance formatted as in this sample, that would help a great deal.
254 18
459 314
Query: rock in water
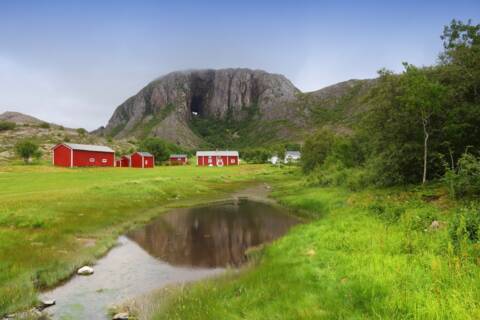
121 316
85 271
45 303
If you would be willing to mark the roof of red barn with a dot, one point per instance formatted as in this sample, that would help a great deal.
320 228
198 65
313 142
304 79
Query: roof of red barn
86 147
145 154
128 157
217 153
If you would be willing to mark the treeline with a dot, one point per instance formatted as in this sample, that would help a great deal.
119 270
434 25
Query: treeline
263 154
159 148
422 124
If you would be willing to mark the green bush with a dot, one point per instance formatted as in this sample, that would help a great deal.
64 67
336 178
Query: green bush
419 218
81 131
325 147
257 155
44 125
466 224
160 149
464 181
7 125
335 173
27 149
389 213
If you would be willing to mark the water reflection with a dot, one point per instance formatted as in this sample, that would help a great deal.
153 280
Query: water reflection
181 246
213 236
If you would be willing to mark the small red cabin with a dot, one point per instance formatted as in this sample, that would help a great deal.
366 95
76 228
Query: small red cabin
125 161
178 159
142 160
82 155
217 158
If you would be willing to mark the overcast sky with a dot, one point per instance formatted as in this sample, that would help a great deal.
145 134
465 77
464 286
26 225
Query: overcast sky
73 63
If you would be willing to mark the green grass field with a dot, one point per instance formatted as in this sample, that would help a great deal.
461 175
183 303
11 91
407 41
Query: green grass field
363 255
53 220
366 255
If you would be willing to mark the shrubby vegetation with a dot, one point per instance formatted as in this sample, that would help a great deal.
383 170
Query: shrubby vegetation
463 180
7 125
82 131
44 125
256 155
160 149
27 149
263 155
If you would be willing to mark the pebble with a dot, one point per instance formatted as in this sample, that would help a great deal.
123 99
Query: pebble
85 271
121 316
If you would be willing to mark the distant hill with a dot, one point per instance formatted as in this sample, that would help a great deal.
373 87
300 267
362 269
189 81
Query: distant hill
233 108
19 118
46 134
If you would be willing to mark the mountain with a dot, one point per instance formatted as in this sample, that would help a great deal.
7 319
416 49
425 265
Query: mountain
19 118
230 108
338 106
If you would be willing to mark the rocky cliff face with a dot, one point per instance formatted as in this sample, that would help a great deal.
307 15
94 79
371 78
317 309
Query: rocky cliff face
166 106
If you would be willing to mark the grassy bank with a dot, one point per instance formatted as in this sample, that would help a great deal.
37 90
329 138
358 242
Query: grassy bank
365 255
53 220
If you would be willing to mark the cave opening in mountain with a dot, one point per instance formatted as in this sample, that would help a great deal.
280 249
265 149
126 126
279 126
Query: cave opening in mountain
196 105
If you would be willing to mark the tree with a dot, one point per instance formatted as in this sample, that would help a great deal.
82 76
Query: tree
459 71
157 147
27 149
280 152
81 131
425 97
393 127
316 149
461 42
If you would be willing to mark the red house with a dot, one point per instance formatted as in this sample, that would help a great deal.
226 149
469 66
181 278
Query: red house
125 161
82 155
217 158
142 160
178 159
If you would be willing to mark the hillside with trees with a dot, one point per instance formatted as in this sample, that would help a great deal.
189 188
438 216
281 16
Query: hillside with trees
418 124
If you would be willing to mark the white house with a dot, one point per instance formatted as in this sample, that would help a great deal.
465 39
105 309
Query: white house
292 156
274 159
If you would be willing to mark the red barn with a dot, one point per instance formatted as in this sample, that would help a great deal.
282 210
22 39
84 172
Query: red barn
178 159
82 155
142 160
217 158
125 161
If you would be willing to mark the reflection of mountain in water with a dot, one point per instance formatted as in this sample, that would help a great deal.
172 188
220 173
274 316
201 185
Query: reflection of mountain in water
214 236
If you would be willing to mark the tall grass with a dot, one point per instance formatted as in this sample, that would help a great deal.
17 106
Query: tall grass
365 255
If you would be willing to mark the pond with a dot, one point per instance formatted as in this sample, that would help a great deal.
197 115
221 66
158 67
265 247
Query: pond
180 246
